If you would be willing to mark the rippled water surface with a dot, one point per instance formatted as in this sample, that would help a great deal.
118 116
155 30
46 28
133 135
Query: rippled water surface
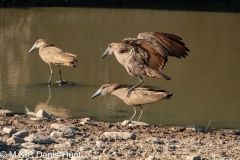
205 85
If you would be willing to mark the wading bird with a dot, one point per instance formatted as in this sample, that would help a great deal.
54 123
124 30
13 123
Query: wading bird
53 55
146 55
139 96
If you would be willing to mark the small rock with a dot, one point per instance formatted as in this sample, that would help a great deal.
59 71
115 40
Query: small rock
37 119
154 140
39 139
100 144
32 146
119 135
21 134
9 130
58 119
150 158
3 144
57 126
43 114
2 123
193 158
194 128
57 134
4 112
15 140
64 145
68 131
84 148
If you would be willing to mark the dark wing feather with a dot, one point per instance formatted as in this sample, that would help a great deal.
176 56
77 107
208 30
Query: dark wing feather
148 52
171 44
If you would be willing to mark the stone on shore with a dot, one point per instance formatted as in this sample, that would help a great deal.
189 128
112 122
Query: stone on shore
193 157
39 139
43 114
21 134
9 130
154 140
15 140
134 123
32 146
63 131
5 112
119 135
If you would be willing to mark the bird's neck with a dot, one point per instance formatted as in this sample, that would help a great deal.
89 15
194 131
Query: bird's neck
121 92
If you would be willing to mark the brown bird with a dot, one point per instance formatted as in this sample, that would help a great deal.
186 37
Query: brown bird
53 55
138 97
146 55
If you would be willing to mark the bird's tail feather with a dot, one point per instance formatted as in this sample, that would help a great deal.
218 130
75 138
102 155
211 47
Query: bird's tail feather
163 76
169 96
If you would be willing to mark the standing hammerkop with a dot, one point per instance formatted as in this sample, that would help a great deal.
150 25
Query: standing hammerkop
139 95
53 55
146 55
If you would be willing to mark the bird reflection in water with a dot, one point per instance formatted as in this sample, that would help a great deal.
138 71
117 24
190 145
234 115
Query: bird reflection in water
57 111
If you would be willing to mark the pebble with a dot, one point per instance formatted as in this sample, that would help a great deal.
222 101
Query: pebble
193 158
15 140
154 140
21 134
9 130
4 112
56 134
119 135
100 144
67 131
62 146
32 146
42 114
39 139
3 144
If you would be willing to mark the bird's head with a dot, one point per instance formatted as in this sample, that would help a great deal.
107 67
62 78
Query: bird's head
106 89
38 44
116 48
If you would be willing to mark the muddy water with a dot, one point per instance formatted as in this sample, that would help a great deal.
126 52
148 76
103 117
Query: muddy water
205 85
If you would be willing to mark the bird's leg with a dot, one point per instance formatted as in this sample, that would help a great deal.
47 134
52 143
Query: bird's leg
129 121
60 73
51 73
132 88
140 113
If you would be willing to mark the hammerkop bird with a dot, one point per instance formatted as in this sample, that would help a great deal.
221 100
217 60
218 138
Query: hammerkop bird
146 55
139 95
53 55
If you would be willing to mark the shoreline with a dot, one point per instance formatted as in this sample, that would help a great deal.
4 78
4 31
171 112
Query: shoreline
25 134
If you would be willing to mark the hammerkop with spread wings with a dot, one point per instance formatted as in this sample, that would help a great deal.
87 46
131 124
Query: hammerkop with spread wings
146 55
53 55
139 96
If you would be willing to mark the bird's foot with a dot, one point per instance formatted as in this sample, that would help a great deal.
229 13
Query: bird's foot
61 82
129 92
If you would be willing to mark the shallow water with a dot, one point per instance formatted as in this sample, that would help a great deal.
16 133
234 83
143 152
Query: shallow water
205 85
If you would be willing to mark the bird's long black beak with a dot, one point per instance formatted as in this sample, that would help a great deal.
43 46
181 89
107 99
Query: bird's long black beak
105 53
32 49
97 93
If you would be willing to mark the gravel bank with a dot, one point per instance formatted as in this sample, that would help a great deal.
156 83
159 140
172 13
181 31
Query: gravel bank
56 138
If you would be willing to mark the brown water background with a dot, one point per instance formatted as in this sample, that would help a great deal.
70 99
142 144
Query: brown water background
205 85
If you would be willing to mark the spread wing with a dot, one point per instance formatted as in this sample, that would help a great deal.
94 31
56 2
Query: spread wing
144 50
167 44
